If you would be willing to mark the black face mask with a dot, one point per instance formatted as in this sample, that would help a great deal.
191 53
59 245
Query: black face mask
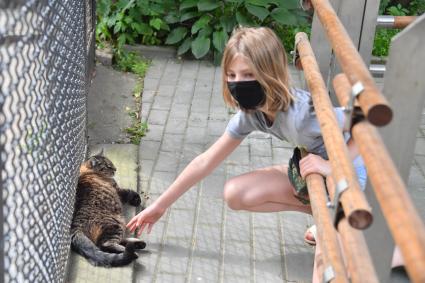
249 94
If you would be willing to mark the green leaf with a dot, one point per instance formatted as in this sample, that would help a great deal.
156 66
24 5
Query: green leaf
172 18
201 23
259 12
118 26
200 46
122 39
207 5
217 58
188 16
128 20
283 16
262 3
176 35
188 4
227 23
142 28
219 40
185 46
206 31
243 19
155 23
289 4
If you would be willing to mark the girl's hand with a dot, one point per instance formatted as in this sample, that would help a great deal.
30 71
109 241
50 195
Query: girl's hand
313 163
147 217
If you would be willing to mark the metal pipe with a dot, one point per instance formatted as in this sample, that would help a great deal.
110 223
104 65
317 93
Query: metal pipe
398 22
377 70
404 222
355 206
372 102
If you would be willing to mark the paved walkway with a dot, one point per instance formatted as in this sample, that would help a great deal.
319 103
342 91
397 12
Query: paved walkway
200 239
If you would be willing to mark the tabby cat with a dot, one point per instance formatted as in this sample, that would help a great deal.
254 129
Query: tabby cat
98 227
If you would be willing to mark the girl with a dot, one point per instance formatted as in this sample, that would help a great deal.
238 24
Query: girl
256 80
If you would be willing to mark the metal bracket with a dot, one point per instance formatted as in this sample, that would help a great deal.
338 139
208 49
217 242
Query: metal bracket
296 58
335 205
356 90
328 274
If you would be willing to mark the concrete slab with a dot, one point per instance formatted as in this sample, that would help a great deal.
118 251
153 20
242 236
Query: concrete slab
124 157
108 102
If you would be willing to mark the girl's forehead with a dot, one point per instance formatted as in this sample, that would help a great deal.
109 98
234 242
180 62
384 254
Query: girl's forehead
239 62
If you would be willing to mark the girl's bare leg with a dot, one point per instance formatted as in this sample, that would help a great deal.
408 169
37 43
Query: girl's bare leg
263 190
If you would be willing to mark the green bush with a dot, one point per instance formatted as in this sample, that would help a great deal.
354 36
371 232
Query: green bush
201 27
387 7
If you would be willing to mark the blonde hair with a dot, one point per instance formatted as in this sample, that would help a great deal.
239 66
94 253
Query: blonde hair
268 62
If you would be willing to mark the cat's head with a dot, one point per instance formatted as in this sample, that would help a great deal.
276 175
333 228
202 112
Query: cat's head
99 163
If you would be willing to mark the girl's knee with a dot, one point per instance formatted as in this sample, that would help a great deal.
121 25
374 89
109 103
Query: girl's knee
232 195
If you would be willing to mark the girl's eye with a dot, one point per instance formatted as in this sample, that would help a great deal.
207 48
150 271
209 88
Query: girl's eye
249 75
231 76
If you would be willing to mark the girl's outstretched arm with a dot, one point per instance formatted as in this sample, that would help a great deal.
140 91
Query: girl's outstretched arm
196 170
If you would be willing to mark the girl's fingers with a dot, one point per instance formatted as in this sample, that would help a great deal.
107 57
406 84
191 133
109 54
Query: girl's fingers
141 229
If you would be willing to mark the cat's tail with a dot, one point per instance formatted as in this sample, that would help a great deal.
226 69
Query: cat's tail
85 247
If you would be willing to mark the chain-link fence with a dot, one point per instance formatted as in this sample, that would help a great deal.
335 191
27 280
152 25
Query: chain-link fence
46 54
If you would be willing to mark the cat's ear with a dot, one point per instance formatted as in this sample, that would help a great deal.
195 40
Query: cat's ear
93 162
100 153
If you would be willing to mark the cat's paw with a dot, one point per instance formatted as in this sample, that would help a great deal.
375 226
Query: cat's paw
137 244
134 199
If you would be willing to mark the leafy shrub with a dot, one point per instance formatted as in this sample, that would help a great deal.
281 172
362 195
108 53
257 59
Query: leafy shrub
387 7
201 27
204 26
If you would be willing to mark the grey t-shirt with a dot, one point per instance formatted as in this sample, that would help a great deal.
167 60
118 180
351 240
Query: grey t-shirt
298 125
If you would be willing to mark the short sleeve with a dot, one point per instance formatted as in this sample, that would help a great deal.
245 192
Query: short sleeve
239 125
340 116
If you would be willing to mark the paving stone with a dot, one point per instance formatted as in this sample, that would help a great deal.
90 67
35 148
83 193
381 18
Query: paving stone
281 155
211 212
162 103
205 269
157 117
172 143
175 255
180 223
212 186
208 241
154 133
188 200
149 149
166 90
195 135
240 156
237 259
179 111
176 126
200 105
267 254
259 162
171 278
262 147
148 96
238 226
146 168
161 181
